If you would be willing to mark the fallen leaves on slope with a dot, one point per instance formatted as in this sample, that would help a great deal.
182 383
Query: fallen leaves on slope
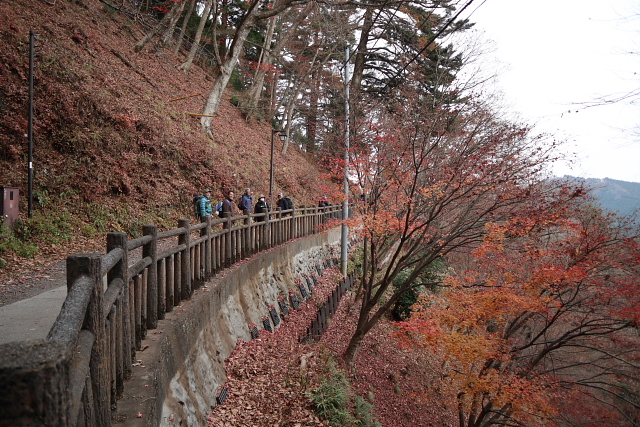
266 383
268 377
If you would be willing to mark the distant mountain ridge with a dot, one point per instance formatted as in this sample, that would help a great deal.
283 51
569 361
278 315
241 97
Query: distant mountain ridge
619 196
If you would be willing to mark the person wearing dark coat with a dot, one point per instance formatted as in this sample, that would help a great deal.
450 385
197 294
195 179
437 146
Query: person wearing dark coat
284 203
262 207
324 202
229 208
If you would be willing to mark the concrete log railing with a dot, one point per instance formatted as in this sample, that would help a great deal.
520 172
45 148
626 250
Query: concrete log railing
76 376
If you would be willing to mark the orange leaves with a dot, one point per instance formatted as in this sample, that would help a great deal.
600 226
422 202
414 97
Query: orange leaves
435 191
465 329
543 296
382 223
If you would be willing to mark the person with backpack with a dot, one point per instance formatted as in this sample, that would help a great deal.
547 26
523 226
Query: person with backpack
324 202
284 203
262 207
246 201
229 208
203 205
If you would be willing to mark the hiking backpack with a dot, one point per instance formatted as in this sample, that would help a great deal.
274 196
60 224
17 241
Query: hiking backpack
196 204
288 203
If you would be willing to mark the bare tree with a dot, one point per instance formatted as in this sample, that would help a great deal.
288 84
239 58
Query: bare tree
184 26
167 23
186 65
227 58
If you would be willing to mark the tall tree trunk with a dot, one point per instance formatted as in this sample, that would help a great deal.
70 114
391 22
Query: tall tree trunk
353 348
222 73
183 29
362 329
168 33
288 116
224 26
164 23
365 250
297 87
312 115
226 64
196 40
255 89
361 51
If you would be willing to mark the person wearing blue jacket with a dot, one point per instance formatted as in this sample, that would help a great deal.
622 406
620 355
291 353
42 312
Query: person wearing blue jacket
246 201
205 208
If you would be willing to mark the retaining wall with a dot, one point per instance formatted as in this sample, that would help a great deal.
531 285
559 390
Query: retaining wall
177 377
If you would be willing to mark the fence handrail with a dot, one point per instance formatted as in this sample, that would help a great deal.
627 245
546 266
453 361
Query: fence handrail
113 299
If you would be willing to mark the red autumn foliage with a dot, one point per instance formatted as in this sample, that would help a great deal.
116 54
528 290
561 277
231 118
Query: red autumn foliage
434 177
540 323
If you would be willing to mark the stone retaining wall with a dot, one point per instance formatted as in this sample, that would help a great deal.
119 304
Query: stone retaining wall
177 377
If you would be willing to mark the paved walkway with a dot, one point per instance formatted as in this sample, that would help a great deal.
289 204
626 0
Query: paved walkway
31 318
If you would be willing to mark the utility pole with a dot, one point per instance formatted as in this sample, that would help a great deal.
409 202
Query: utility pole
30 134
345 204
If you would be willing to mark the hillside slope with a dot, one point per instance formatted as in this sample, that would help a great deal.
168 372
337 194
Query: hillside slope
117 139
622 197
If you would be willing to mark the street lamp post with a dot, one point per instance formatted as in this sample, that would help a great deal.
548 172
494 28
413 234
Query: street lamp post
344 235
283 137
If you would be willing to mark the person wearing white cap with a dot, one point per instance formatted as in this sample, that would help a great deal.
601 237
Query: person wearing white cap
262 207
284 203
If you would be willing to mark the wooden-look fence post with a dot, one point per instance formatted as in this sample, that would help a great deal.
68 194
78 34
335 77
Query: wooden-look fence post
119 345
195 263
143 302
168 271
273 231
162 288
292 232
215 254
185 262
151 250
121 271
177 279
208 251
228 240
99 366
246 249
265 231
137 310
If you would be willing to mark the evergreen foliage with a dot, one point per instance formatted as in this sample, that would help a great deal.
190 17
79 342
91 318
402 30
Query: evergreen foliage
335 401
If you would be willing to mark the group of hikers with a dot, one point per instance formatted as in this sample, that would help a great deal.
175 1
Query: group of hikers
229 207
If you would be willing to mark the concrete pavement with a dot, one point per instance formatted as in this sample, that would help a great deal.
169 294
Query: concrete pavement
31 318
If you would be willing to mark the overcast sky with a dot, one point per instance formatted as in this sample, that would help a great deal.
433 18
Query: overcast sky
557 55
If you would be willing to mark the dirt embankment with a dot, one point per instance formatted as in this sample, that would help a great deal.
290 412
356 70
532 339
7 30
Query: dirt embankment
117 140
